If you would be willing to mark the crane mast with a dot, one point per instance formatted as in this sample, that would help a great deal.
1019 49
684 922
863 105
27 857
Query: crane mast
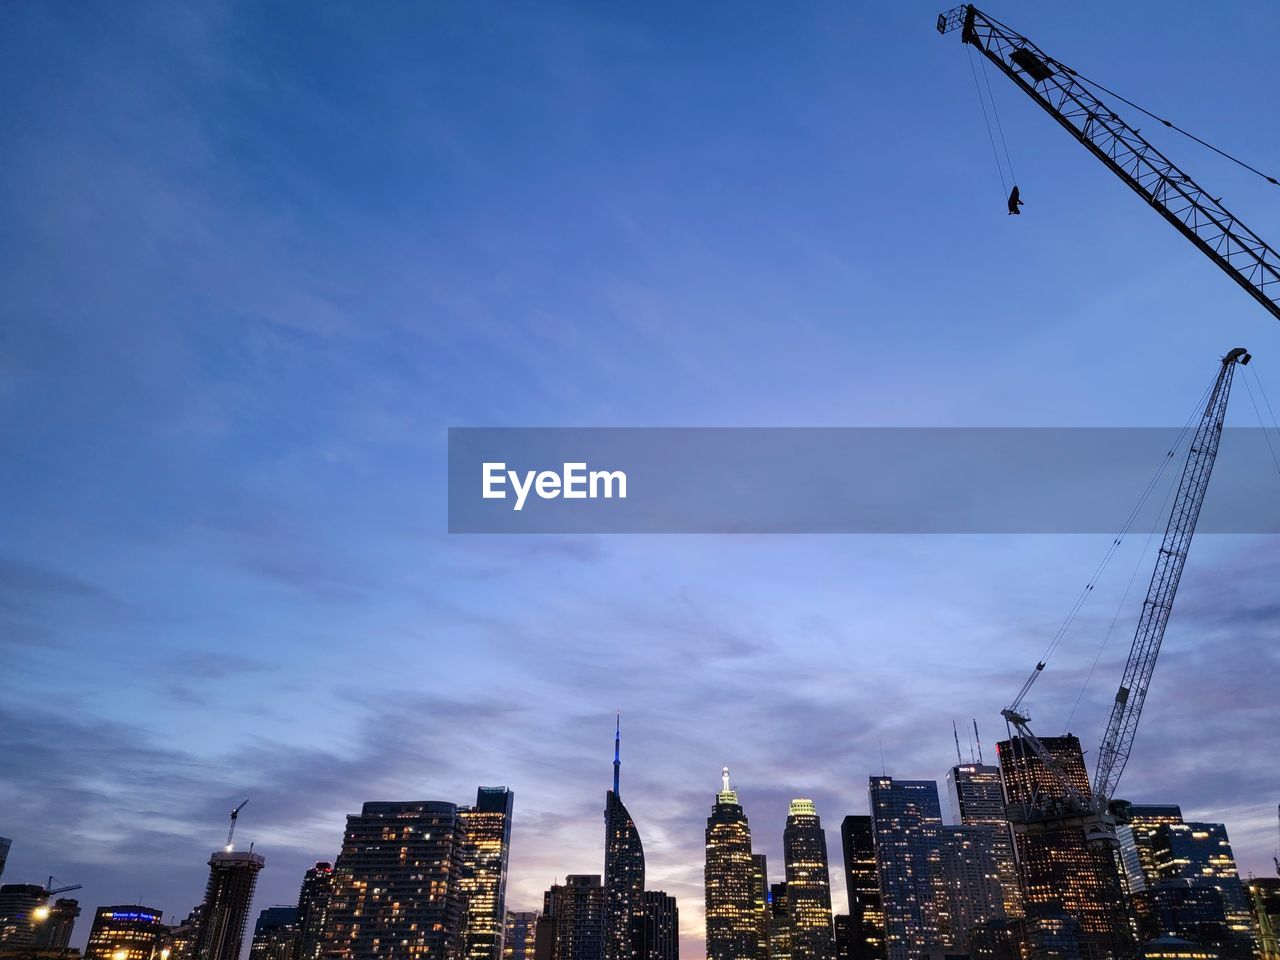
1195 213
1170 560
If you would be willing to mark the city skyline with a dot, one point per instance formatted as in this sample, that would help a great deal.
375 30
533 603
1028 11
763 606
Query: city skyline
257 265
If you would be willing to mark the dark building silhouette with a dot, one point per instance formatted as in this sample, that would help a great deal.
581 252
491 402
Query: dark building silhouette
779 923
486 847
20 904
54 931
313 909
808 884
1072 890
844 935
276 935
660 929
732 923
1190 912
126 933
1200 853
395 884
520 937
572 925
760 901
181 939
5 844
623 869
866 917
224 915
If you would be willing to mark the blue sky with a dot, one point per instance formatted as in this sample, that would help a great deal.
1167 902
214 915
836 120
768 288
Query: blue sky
255 259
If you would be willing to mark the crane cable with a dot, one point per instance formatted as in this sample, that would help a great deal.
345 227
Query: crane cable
1004 187
1266 434
1171 125
1111 551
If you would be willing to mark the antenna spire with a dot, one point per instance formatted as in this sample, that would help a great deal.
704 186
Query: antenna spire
977 739
955 733
617 753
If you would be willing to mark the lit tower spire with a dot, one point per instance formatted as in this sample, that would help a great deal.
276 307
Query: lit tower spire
617 753
726 794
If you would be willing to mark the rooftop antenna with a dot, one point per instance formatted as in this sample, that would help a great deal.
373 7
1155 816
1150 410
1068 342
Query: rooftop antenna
977 739
882 770
617 752
231 831
955 733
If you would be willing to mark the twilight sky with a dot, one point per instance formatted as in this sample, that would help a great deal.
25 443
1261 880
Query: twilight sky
255 259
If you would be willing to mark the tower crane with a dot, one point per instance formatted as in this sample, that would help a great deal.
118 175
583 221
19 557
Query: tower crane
1068 98
235 814
50 890
1094 810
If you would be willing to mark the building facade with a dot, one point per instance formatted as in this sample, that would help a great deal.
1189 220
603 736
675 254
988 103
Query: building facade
1072 892
126 933
660 930
1137 854
486 847
20 904
572 925
804 846
905 819
732 923
54 931
224 915
968 883
519 940
1200 853
276 935
862 884
977 799
313 909
396 889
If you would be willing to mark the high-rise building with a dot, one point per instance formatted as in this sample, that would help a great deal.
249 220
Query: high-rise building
313 909
866 918
1190 912
520 936
1264 895
660 930
1072 892
126 933
623 869
808 884
760 901
1201 853
486 845
5 844
276 935
732 924
54 931
181 940
1137 855
227 897
21 908
396 884
977 799
844 935
572 924
968 883
779 923
905 818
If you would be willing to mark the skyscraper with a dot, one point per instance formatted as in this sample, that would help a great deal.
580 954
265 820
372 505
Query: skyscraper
732 925
1201 854
866 918
54 932
520 937
660 938
313 909
19 903
808 884
623 869
396 883
968 883
275 935
5 844
572 925
1264 895
905 817
225 911
977 798
1071 890
126 933
1136 852
486 846
760 897
779 923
